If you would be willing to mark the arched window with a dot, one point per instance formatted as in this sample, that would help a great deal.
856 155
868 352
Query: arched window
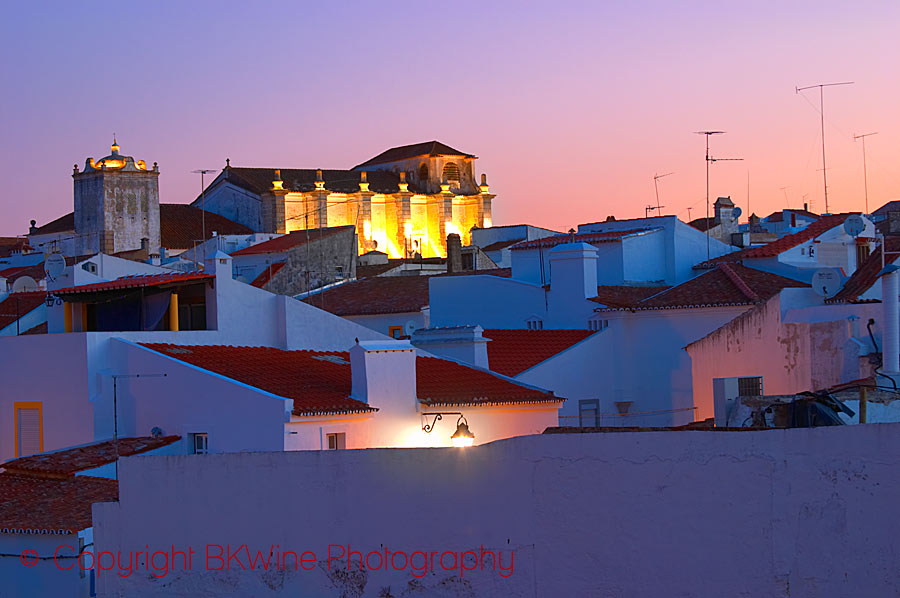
423 173
451 173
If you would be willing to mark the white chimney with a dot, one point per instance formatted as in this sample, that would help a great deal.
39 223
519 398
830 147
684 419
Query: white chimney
459 343
890 350
573 270
384 375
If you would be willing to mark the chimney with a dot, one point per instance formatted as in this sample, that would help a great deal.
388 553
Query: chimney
573 271
383 375
459 343
145 244
891 335
805 207
454 253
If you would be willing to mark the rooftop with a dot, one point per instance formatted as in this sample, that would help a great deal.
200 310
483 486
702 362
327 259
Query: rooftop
320 382
17 305
136 282
624 295
405 152
68 462
267 274
612 236
867 274
511 352
35 505
292 239
259 180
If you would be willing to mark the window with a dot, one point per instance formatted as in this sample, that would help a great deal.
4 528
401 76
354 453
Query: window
597 324
339 271
451 173
587 413
337 441
468 260
199 443
534 323
862 254
396 332
29 429
423 173
89 267
750 387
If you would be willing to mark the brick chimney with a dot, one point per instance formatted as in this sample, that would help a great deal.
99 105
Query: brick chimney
454 253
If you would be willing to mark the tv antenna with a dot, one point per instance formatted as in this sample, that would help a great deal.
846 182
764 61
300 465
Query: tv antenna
865 175
650 208
202 172
822 87
710 159
787 202
656 178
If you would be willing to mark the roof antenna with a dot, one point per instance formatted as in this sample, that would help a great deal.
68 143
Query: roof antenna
865 174
656 177
708 160
822 87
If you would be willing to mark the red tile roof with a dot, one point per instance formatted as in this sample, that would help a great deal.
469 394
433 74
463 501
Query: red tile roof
136 282
30 504
867 274
405 152
267 274
612 236
292 239
775 248
511 352
726 284
17 305
10 245
180 225
68 462
35 271
385 294
320 382
39 329
623 295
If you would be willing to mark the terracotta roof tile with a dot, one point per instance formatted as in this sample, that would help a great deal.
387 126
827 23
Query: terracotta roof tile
10 245
292 239
17 305
320 382
624 295
267 274
511 352
405 152
867 274
136 282
39 329
773 249
612 236
68 462
31 504
726 284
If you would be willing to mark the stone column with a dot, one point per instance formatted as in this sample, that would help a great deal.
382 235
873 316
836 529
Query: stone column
364 230
402 197
485 219
321 201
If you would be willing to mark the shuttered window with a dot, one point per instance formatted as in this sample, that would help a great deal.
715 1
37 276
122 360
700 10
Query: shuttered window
28 430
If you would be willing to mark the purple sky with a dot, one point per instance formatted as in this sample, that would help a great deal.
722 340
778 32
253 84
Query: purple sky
572 107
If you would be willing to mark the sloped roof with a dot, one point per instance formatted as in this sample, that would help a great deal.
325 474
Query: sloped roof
612 236
726 284
17 305
259 180
267 274
511 352
624 295
9 245
704 224
34 505
39 329
405 152
384 294
867 274
779 215
180 225
321 382
292 239
498 245
68 462
136 282
778 246
891 206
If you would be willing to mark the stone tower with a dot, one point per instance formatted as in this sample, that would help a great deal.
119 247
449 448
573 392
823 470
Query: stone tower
116 204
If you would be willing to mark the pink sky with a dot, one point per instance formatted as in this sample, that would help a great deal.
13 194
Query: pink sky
572 107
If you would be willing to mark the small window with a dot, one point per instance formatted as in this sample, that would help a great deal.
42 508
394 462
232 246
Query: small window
337 441
423 173
812 251
588 410
199 443
29 428
89 267
750 387
396 332
451 173
468 260
339 271
862 254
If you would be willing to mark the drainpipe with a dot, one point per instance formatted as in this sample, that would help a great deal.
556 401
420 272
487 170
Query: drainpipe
889 302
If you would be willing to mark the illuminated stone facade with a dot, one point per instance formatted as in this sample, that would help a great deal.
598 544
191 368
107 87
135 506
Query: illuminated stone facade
403 201
116 204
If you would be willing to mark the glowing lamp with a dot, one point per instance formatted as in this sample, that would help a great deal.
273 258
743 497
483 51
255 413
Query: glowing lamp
462 436
407 229
367 229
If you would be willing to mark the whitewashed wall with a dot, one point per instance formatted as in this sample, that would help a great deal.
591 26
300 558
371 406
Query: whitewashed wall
702 514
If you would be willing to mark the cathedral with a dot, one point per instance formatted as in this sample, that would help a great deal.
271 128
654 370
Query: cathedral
403 202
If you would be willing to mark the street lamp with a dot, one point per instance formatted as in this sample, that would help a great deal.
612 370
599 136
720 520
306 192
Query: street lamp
462 437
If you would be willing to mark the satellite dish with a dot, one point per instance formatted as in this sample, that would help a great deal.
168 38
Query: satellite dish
736 213
156 432
409 328
826 282
854 225
54 265
24 283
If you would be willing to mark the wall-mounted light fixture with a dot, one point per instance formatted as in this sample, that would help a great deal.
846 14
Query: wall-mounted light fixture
462 436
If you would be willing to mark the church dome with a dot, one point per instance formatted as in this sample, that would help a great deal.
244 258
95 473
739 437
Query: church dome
115 161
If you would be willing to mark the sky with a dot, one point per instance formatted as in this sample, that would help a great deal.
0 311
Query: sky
572 107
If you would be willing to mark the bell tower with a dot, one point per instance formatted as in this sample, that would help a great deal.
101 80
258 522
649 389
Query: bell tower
116 204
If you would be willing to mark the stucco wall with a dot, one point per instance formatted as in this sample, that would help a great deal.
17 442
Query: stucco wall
702 514
490 301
